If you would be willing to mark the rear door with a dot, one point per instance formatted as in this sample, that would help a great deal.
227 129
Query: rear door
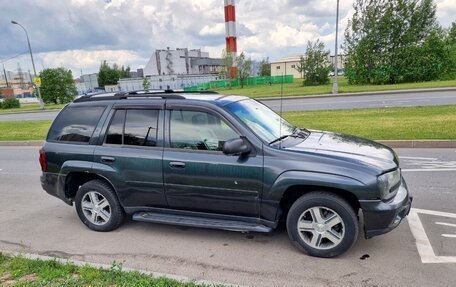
131 155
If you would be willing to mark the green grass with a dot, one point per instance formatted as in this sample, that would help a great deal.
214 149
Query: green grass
408 123
296 88
33 107
19 271
24 130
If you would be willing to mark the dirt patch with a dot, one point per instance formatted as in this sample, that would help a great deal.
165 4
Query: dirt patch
28 277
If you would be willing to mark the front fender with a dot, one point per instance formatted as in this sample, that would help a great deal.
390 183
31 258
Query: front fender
272 196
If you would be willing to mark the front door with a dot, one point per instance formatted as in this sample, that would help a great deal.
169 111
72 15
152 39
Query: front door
198 176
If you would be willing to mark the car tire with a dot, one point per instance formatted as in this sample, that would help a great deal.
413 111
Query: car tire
98 207
322 224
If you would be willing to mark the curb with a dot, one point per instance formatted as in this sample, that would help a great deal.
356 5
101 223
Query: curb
22 143
377 93
419 143
390 143
29 112
182 279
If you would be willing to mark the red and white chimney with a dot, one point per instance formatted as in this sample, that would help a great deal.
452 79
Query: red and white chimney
230 28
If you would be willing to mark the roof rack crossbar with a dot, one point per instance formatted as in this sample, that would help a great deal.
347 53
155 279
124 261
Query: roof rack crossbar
164 94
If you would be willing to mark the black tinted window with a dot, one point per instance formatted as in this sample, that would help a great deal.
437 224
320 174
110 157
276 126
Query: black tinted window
199 130
140 128
116 128
75 124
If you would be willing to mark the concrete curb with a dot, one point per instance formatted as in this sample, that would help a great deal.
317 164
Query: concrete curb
29 112
182 279
22 143
378 93
419 143
390 143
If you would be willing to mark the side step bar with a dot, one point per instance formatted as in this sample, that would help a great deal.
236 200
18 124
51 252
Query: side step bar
195 221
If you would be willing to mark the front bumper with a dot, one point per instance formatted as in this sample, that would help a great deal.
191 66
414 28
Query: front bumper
381 217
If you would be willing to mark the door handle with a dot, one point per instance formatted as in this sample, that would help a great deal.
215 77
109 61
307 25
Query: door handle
177 164
108 159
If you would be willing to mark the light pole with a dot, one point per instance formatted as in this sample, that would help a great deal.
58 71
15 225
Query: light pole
335 84
33 63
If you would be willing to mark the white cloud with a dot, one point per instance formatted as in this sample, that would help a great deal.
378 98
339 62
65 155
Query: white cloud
80 33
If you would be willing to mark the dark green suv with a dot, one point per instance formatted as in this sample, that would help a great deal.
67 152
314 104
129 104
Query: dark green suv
219 161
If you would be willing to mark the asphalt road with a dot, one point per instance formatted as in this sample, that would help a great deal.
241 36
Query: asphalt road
32 221
320 103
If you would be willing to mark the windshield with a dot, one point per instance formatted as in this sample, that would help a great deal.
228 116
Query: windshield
262 120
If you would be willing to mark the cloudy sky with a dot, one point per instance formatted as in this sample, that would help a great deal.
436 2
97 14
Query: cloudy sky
79 34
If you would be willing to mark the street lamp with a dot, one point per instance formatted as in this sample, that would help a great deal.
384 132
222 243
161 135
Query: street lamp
33 63
335 84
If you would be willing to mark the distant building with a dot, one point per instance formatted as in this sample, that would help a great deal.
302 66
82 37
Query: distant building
288 65
182 62
166 82
87 83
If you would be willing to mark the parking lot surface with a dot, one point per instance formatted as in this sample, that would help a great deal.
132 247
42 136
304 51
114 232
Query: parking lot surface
420 252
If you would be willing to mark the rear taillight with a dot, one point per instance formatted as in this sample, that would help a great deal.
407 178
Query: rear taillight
43 162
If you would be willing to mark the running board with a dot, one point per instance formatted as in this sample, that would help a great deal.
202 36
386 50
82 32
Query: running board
195 221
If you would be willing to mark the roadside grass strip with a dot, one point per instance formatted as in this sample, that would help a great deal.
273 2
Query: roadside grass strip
297 89
404 123
34 270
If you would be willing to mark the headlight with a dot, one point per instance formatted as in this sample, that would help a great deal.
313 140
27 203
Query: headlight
388 184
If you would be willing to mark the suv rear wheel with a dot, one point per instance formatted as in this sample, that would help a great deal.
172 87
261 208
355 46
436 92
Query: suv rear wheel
322 224
97 206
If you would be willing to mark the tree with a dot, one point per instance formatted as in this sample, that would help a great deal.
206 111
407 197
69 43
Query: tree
108 75
301 66
386 41
146 83
316 66
57 86
265 68
227 62
244 66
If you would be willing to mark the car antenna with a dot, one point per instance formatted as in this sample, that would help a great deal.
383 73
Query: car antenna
281 110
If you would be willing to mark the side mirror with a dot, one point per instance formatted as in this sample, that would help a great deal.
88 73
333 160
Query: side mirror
238 146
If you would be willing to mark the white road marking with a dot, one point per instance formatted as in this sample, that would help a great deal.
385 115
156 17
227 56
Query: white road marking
446 224
449 235
427 169
413 157
422 241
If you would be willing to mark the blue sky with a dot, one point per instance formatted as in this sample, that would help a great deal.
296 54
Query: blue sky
79 34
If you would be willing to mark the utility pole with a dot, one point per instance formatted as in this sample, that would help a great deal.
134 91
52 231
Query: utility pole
6 78
33 63
335 84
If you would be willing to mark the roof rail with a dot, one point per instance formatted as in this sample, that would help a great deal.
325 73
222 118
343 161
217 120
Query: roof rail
164 94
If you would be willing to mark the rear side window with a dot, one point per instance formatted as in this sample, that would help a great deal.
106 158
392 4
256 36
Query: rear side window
75 124
133 127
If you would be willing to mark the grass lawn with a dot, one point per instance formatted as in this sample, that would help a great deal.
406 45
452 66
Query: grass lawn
32 107
408 123
431 122
296 88
18 271
24 130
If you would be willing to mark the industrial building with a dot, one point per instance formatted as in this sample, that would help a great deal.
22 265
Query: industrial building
182 61
288 65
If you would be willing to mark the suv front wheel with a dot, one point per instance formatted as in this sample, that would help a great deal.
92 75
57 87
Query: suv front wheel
322 224
97 206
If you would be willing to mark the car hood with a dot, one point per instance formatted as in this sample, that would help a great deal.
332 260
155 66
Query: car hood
349 148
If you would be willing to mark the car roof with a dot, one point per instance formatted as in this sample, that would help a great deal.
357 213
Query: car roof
207 96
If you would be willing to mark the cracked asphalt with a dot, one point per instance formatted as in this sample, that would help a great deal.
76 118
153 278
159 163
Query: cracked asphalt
32 221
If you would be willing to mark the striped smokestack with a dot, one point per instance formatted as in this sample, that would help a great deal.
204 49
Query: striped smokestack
230 28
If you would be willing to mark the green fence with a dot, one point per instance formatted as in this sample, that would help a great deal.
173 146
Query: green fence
251 81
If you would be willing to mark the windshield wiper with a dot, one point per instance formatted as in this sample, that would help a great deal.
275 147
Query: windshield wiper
279 139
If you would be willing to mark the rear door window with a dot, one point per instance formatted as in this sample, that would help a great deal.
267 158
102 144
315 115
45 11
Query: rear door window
75 124
136 127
